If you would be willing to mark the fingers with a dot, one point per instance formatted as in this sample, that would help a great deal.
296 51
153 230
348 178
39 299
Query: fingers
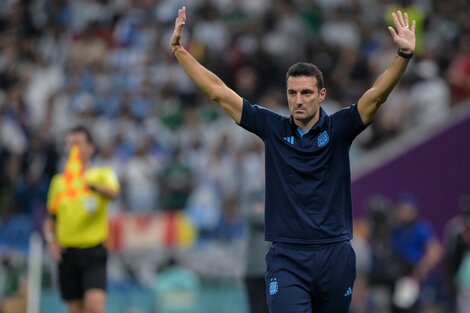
401 21
181 19
392 32
413 26
406 20
401 18
396 21
182 15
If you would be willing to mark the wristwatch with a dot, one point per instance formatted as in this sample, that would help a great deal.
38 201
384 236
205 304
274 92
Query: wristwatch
405 55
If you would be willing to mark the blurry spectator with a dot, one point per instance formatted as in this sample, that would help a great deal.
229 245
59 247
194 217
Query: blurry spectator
11 269
193 137
392 119
429 96
37 169
210 30
13 146
238 18
17 109
381 274
142 101
222 167
417 251
246 81
176 183
457 247
339 31
13 290
230 227
204 207
252 205
351 74
458 73
141 178
361 298
55 44
257 247
176 288
282 36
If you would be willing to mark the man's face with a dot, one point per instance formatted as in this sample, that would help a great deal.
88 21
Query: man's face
304 99
79 139
406 213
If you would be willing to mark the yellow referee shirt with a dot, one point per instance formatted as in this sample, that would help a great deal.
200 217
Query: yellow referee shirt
82 220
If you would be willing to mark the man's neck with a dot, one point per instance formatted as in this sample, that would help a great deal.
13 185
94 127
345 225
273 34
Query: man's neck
85 165
309 124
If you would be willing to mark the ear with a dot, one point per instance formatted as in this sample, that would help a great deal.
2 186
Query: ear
322 94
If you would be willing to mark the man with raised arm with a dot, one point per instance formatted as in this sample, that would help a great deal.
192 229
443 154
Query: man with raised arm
308 210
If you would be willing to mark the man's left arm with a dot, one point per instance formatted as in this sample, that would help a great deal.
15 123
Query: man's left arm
104 191
109 186
404 39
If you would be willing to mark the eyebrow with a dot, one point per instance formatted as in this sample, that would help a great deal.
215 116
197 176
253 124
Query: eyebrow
306 90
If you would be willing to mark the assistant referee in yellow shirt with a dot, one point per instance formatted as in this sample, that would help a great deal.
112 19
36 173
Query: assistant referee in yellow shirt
77 226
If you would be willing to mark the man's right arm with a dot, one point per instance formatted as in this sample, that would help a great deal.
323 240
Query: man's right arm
51 240
49 226
207 81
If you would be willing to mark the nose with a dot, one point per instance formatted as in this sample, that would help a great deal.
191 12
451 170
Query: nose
298 99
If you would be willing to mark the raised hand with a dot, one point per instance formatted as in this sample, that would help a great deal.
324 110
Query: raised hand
404 36
180 21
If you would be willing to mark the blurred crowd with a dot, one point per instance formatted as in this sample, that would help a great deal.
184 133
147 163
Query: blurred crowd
106 64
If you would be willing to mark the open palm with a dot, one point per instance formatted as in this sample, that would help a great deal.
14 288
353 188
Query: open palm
404 35
175 40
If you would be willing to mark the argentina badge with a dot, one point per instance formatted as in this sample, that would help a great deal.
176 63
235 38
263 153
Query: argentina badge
273 287
323 139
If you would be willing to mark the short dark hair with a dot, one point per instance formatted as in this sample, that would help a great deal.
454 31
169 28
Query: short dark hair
306 69
83 130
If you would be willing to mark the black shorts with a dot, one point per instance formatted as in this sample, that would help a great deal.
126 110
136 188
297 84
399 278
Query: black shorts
81 270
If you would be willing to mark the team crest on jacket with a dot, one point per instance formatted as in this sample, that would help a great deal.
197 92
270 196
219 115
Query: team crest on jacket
323 139
273 287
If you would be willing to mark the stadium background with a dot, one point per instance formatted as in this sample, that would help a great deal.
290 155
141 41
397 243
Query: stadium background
184 166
